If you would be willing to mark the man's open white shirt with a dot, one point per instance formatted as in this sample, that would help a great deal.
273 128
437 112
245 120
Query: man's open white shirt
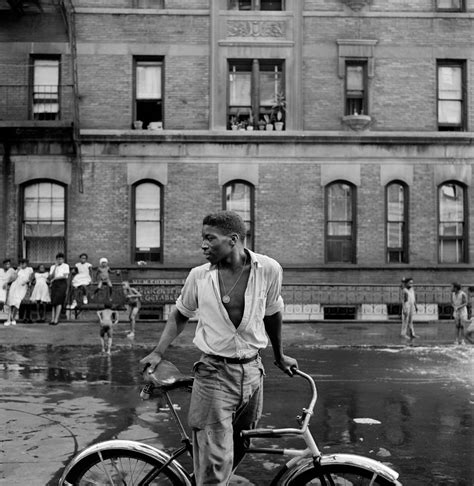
215 332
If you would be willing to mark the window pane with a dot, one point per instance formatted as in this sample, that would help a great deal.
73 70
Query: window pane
395 235
451 203
270 85
451 229
339 229
148 235
451 251
450 82
271 4
148 80
355 78
46 74
395 202
339 202
450 112
240 88
450 4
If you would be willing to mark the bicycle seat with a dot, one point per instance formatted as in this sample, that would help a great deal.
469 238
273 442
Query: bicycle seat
167 377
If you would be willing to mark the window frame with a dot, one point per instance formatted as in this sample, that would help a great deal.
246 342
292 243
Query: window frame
252 206
461 8
22 249
31 86
353 236
405 237
134 249
365 97
255 5
465 235
148 59
258 110
463 124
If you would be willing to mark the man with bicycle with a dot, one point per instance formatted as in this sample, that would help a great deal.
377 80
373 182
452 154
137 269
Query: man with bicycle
240 307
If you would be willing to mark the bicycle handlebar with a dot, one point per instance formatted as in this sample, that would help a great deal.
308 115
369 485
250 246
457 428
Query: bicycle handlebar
306 417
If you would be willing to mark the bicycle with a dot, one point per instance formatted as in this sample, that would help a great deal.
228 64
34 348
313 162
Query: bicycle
126 462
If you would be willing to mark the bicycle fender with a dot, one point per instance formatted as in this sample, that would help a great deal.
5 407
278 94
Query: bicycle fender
131 446
366 463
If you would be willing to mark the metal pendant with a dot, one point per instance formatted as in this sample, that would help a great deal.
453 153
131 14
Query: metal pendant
226 299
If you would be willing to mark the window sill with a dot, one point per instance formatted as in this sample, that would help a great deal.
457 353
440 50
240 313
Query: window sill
357 122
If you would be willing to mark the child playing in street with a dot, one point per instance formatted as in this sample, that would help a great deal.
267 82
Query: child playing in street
40 293
409 307
459 301
107 318
18 289
81 280
103 277
7 276
132 305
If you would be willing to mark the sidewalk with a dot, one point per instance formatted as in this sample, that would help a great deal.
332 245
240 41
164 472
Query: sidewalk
334 333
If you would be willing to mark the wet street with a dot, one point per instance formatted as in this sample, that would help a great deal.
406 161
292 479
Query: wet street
58 399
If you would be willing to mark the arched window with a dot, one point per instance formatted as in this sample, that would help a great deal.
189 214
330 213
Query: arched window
452 234
397 222
239 197
340 222
43 221
148 222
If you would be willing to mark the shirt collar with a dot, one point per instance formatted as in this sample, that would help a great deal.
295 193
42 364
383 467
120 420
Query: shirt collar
253 260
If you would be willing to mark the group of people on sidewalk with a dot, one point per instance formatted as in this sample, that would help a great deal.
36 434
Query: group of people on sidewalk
464 329
60 285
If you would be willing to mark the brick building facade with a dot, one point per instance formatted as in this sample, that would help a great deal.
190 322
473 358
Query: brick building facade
369 180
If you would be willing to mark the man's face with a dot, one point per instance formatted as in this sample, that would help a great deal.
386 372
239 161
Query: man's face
215 244
410 284
6 265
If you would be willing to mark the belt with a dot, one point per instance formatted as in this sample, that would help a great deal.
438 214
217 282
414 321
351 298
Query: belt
233 360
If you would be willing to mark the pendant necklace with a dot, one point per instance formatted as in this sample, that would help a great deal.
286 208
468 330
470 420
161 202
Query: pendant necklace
226 296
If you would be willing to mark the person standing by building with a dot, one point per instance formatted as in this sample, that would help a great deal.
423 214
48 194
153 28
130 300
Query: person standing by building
132 306
18 289
40 294
103 277
58 279
240 307
7 276
107 319
81 280
409 307
459 301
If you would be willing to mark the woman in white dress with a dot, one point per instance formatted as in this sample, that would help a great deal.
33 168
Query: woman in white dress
7 275
82 279
40 293
24 276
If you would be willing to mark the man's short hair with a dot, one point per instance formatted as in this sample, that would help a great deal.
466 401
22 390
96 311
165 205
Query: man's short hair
60 255
456 286
7 260
228 222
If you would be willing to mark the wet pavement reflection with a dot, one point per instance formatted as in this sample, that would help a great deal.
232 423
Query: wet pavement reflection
410 407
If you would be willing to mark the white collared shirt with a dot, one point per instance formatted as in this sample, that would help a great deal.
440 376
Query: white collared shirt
215 332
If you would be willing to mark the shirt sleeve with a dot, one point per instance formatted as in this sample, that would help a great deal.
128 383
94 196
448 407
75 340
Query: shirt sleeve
274 301
187 302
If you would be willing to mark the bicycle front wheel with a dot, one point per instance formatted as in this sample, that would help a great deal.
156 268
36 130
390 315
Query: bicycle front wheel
334 475
121 467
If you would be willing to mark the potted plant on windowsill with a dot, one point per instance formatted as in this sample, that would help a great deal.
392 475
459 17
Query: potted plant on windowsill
279 110
138 125
268 123
250 121
357 121
261 124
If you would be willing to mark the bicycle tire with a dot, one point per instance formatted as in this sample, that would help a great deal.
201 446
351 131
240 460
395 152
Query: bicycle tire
119 467
333 475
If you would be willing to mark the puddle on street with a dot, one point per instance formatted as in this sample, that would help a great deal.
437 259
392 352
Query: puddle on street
408 407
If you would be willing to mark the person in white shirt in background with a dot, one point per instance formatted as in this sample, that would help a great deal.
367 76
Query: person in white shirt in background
81 280
18 289
58 279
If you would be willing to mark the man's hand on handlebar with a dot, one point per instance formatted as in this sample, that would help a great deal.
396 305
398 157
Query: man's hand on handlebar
150 362
287 364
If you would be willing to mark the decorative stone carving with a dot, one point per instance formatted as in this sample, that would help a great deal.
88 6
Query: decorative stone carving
357 5
357 122
256 28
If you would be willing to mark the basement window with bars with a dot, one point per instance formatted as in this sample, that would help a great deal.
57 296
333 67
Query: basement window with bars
43 225
148 222
45 89
267 5
148 93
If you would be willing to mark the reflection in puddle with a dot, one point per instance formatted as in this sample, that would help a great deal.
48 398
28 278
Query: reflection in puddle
413 404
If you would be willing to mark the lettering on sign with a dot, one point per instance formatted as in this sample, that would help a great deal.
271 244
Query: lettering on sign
158 291
255 28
